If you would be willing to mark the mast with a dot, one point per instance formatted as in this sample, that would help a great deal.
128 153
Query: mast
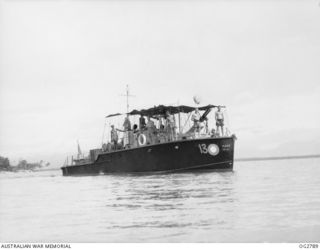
127 95
179 116
127 98
179 123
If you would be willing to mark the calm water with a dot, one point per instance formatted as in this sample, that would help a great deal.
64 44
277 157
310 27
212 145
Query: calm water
271 201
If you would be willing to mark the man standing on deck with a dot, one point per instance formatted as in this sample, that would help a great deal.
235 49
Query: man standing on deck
142 123
196 119
127 129
151 128
127 124
114 137
219 120
170 126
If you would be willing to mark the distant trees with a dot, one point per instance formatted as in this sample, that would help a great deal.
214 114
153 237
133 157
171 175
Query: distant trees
4 163
22 165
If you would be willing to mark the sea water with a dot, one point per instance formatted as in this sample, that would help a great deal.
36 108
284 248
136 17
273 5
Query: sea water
262 201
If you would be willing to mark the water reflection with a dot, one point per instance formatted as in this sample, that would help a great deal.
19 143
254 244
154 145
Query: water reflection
264 202
172 201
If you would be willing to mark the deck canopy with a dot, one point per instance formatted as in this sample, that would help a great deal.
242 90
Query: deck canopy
113 115
161 110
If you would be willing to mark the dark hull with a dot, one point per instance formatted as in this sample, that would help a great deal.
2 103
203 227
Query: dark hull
183 155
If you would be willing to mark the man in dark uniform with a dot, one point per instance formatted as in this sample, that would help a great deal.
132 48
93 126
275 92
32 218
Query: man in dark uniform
142 123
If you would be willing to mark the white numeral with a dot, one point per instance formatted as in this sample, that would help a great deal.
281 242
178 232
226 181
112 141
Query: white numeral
203 148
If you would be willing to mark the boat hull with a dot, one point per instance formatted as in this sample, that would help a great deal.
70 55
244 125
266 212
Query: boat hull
182 155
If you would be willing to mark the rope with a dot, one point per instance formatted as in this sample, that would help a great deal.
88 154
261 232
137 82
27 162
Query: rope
228 121
186 121
104 128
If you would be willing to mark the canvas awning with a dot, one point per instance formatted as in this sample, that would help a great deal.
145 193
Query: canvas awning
113 115
162 109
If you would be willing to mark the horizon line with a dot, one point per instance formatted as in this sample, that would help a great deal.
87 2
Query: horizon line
271 158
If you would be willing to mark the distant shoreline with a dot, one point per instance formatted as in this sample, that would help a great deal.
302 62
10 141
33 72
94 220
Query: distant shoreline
267 158
273 158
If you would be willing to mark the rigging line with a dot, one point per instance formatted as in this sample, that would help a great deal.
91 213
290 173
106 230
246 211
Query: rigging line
127 95
186 121
227 116
227 127
104 129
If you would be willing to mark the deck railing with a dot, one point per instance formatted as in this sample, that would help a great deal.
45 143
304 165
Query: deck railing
77 159
132 142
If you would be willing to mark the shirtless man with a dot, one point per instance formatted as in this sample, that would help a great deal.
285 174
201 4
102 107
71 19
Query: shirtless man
196 121
196 118
219 120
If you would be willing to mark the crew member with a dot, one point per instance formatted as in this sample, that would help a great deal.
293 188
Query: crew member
196 120
170 126
219 120
161 134
127 130
135 128
114 137
135 135
151 130
127 124
213 133
142 123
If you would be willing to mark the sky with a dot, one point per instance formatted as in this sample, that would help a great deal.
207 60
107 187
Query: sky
65 64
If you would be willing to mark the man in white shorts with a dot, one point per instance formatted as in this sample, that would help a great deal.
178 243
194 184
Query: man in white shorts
219 120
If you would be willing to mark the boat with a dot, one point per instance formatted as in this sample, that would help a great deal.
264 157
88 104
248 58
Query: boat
163 149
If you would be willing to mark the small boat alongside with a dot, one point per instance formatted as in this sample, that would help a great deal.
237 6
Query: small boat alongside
159 145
